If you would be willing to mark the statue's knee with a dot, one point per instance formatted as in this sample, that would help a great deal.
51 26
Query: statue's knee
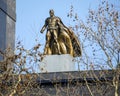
56 40
47 45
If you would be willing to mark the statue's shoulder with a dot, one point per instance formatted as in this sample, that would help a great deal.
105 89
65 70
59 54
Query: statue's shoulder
58 17
47 18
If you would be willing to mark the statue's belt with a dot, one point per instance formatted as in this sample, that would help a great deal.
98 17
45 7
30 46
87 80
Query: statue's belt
52 28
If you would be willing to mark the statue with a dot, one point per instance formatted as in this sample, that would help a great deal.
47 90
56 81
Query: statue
59 38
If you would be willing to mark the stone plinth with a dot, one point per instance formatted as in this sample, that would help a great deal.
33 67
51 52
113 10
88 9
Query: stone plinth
57 63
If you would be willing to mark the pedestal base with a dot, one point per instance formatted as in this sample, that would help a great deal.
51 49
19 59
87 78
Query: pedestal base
57 63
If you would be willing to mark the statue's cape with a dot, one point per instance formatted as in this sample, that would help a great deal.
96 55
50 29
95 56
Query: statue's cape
75 43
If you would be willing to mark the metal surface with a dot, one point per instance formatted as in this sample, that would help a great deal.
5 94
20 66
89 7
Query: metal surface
59 38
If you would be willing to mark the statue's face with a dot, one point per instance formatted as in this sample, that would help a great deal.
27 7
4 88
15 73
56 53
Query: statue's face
51 13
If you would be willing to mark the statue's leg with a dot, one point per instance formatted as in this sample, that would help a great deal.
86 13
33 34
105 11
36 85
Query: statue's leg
56 41
47 50
63 49
68 42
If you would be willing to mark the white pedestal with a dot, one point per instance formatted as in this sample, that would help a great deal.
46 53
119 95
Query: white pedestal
57 63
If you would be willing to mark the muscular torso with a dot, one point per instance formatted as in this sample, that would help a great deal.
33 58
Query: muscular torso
52 22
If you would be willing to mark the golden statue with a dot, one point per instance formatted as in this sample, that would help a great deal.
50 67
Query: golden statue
59 39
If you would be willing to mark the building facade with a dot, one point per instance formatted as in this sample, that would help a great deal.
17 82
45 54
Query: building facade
7 29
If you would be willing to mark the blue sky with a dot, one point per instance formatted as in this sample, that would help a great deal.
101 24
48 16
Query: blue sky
31 15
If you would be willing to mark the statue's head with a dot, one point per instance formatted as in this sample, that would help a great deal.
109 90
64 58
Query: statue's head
51 12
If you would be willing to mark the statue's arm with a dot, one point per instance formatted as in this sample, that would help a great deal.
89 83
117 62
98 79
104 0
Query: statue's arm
44 27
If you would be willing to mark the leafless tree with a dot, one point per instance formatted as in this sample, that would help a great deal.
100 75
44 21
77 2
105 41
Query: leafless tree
100 38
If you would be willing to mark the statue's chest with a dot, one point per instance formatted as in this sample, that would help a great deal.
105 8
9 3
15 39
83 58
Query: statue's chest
52 20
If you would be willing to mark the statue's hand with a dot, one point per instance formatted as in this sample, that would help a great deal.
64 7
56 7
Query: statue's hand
41 31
